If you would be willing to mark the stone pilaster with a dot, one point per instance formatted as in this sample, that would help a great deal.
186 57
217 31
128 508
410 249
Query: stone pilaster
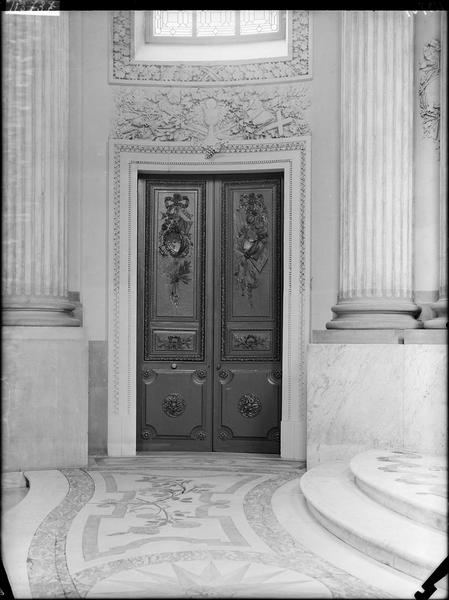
440 307
376 173
35 125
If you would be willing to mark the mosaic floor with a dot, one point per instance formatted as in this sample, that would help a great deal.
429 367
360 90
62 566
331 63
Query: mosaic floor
181 525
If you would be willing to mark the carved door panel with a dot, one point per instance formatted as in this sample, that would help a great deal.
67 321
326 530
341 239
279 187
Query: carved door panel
248 348
173 354
209 313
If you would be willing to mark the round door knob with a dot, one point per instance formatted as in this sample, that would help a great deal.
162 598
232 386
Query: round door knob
174 365
218 366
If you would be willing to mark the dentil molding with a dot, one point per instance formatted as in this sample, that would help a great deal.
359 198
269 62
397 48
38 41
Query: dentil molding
211 116
125 70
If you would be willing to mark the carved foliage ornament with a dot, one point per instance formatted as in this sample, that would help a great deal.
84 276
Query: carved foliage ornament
148 373
126 69
224 434
251 341
249 406
173 405
201 373
174 342
148 433
276 374
198 433
211 117
429 91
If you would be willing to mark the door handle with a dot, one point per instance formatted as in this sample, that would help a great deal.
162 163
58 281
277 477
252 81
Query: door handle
218 366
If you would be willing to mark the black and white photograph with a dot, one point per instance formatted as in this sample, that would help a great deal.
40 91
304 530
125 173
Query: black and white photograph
224 303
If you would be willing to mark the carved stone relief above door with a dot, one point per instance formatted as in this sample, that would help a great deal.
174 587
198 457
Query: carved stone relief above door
209 115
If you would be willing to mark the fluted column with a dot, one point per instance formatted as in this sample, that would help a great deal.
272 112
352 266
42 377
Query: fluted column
376 173
440 307
35 123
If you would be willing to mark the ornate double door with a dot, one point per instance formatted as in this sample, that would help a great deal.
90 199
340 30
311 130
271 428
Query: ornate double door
209 313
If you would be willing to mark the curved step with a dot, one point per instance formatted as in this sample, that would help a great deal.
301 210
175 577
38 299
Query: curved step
395 540
410 484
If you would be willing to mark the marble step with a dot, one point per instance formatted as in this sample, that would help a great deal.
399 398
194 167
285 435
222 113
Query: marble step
347 512
411 484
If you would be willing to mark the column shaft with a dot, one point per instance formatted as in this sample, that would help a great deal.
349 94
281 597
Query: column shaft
35 117
376 173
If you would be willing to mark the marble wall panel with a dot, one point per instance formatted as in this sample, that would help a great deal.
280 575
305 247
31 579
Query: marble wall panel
375 396
425 398
98 397
44 392
354 399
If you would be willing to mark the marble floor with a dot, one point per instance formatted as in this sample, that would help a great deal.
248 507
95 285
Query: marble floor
181 526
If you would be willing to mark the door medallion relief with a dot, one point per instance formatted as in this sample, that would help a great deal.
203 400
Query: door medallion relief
249 406
174 405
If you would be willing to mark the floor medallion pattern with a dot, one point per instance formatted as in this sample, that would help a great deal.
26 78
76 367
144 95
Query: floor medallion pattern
180 526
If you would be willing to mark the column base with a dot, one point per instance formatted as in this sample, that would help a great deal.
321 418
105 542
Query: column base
38 312
440 321
375 314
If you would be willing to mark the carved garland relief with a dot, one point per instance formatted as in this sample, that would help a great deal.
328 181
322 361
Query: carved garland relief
250 244
175 241
251 341
173 342
125 69
211 117
429 91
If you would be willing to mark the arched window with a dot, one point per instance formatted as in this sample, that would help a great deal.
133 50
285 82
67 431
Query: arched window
180 36
214 26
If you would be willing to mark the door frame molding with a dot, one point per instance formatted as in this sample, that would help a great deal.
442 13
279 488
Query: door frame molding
127 158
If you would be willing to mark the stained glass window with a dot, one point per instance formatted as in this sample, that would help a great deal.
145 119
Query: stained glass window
253 22
172 22
215 22
215 26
